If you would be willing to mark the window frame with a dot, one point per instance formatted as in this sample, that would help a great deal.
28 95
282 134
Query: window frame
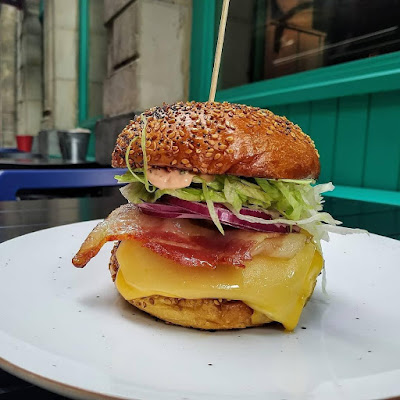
376 74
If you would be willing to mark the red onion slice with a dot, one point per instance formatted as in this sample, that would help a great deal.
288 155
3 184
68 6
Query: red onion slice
167 211
228 218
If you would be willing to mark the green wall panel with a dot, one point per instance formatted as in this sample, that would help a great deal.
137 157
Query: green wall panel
202 49
382 161
281 110
322 130
299 113
352 122
358 138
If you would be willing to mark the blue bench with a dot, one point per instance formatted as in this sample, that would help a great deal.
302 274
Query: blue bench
11 181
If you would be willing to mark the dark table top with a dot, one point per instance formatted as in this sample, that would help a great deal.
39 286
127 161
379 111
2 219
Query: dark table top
21 217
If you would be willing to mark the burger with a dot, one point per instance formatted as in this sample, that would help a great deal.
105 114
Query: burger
223 222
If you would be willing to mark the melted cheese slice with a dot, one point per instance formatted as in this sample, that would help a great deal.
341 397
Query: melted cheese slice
277 288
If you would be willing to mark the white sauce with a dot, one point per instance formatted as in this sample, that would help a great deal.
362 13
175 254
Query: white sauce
173 179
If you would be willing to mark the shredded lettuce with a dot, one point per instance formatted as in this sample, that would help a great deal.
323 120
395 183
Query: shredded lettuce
128 165
136 193
211 209
297 202
143 145
231 194
291 202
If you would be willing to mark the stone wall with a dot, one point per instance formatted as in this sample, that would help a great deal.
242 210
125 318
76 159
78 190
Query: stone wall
60 64
43 65
29 69
148 53
61 52
139 57
97 57
8 26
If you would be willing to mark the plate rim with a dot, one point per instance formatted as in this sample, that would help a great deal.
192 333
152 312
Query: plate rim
55 386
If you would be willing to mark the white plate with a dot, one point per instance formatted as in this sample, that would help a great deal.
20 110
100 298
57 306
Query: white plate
67 330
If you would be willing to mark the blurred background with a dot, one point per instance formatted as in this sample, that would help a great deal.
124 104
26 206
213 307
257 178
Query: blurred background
73 73
71 63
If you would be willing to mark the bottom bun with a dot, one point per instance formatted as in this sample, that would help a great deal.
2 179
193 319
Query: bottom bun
210 314
215 314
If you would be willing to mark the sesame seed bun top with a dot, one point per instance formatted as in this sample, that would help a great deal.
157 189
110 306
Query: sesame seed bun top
220 138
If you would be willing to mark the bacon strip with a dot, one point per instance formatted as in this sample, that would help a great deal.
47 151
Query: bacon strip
181 240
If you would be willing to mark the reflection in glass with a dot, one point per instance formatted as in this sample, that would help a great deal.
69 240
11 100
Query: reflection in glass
272 38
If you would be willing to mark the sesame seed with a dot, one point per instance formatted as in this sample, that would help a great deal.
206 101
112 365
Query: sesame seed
185 161
211 123
173 162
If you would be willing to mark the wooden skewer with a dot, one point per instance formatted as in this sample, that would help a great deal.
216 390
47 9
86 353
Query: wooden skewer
218 50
